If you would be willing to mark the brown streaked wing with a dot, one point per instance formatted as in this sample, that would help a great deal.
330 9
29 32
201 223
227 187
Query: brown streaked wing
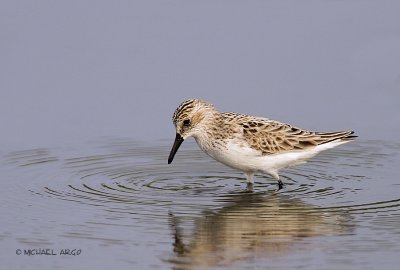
272 137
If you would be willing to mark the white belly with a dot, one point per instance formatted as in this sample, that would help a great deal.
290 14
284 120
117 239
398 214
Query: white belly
246 159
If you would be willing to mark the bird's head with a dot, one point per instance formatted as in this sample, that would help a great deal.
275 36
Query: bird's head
190 119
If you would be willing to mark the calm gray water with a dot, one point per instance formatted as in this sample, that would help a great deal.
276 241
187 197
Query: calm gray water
117 203
75 70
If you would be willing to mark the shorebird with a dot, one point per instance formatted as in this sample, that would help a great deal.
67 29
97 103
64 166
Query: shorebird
248 143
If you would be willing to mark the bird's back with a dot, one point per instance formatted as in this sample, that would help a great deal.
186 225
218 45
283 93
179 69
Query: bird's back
273 137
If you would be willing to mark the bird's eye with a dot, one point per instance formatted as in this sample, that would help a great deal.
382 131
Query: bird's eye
186 122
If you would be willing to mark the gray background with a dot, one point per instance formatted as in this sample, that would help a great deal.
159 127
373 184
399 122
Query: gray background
76 70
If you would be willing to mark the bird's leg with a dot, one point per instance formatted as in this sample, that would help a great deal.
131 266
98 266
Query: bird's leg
276 176
249 177
280 184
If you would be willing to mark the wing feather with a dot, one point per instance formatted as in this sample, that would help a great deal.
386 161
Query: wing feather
271 137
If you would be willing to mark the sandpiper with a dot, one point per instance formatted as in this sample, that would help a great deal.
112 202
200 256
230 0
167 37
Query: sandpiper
248 143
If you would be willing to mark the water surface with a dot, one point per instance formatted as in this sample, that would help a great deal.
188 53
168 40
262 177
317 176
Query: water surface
123 206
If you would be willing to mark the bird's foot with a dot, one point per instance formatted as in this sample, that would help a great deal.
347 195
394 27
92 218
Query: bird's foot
280 185
250 186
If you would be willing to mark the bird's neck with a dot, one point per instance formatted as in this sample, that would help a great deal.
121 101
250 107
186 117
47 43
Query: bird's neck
211 131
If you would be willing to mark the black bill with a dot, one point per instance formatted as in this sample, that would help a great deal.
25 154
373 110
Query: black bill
178 141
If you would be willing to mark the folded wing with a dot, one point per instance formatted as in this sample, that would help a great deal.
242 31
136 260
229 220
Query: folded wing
272 137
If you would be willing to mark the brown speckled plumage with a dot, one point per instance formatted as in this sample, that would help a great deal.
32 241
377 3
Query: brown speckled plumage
247 142
261 134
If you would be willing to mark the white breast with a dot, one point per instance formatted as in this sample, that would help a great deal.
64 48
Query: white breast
240 156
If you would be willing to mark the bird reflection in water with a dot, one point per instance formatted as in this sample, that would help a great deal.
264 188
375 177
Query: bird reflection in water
252 226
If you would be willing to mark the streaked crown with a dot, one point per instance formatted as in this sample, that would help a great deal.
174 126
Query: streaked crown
187 108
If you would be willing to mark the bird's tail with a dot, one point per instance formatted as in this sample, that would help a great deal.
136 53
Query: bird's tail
343 136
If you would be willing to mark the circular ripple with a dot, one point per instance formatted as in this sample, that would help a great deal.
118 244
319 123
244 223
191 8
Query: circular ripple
126 176
124 184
